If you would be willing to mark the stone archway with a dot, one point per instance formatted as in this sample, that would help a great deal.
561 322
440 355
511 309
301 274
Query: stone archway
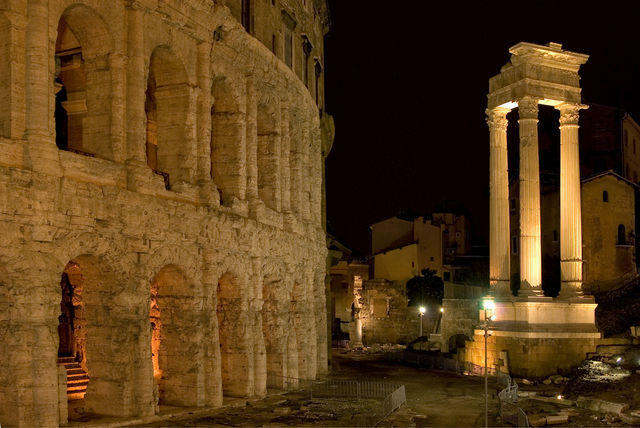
269 142
83 83
228 141
72 331
172 353
82 330
274 326
170 147
233 331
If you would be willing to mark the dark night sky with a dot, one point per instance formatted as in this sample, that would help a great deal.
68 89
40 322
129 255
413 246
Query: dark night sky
406 81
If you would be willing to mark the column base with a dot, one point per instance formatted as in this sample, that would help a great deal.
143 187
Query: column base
500 288
540 335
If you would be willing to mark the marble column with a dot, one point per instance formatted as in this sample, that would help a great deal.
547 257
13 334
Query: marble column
499 269
570 207
530 241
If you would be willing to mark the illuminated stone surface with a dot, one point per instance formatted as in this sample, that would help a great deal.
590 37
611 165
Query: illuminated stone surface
227 236
534 335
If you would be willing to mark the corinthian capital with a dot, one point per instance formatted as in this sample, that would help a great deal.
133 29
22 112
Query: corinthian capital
570 113
528 108
497 119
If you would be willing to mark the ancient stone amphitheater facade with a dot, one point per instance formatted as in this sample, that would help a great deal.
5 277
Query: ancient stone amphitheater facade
161 176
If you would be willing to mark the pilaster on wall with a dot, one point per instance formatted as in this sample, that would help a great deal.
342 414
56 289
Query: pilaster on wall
136 84
252 139
305 189
229 138
203 174
12 42
285 156
317 163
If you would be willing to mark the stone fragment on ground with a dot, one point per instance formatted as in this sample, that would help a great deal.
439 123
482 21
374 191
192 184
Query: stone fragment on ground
601 405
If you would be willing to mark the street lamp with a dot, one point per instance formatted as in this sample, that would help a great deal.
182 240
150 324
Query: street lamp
489 306
422 310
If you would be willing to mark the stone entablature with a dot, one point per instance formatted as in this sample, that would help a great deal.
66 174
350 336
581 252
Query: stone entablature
231 238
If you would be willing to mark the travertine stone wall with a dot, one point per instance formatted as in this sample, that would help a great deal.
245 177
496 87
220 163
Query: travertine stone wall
234 247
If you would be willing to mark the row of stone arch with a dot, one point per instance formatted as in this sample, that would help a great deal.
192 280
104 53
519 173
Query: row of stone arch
179 343
186 372
212 123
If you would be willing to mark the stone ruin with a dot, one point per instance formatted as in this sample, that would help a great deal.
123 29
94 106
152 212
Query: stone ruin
161 203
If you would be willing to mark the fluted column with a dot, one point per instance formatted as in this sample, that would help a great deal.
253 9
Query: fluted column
530 242
499 270
570 207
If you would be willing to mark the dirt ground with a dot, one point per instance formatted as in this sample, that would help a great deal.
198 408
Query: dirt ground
433 399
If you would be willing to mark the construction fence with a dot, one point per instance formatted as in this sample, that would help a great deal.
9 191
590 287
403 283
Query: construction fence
391 396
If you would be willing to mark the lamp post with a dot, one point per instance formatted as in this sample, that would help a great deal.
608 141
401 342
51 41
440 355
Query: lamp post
422 310
489 305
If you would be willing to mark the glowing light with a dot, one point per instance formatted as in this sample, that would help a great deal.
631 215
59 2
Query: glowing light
559 397
441 309
548 102
619 360
422 310
488 304
509 105
492 317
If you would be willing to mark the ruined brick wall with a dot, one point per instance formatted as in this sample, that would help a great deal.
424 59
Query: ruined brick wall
233 244
385 316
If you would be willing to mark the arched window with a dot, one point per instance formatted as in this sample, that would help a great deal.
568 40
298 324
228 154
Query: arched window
622 236
605 196
82 83
169 146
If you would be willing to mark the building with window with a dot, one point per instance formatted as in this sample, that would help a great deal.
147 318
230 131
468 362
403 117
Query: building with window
161 208
403 248
609 226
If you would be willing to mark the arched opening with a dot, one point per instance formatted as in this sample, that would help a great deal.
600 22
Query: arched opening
228 166
622 235
232 330
72 337
273 329
83 83
169 147
171 354
299 314
269 157
457 342
605 196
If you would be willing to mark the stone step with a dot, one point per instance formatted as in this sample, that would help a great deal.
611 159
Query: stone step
75 371
77 376
71 366
76 389
77 382
63 360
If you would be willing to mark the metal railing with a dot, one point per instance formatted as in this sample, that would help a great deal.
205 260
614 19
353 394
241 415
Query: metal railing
391 395
510 412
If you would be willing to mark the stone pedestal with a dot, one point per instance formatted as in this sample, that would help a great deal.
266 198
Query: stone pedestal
541 336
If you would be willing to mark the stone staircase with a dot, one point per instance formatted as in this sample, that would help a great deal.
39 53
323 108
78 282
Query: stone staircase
77 379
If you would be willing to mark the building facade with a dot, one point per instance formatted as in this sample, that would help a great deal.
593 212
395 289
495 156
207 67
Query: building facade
403 248
161 182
